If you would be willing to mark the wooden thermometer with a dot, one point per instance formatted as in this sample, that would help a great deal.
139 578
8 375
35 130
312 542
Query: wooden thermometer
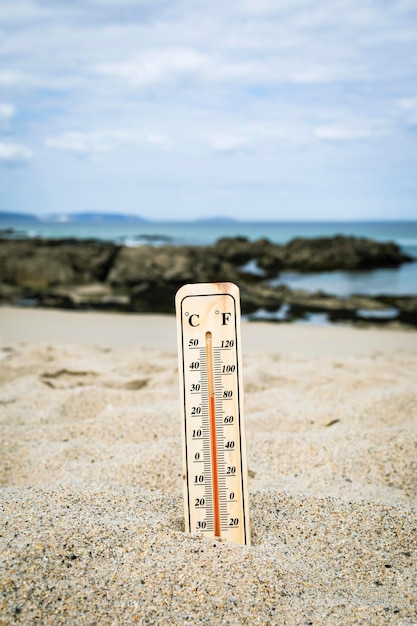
213 430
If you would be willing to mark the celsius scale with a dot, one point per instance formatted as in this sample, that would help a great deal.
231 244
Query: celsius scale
215 472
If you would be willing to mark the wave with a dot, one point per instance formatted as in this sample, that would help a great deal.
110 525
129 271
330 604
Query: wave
132 241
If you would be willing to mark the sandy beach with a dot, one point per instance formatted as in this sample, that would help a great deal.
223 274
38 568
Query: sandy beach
91 493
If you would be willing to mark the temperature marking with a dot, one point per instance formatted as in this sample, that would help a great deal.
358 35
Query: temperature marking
213 435
213 438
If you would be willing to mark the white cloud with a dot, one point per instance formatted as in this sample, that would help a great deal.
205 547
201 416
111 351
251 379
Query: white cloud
23 11
311 74
155 139
171 66
99 142
14 153
409 111
349 133
7 110
156 66
179 81
83 144
227 143
77 143
11 78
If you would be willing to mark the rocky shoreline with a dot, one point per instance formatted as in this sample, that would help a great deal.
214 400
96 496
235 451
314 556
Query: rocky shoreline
97 275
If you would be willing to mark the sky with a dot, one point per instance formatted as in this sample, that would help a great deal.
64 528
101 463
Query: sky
182 109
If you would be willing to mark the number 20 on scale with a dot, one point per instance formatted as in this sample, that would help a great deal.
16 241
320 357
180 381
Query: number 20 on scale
211 390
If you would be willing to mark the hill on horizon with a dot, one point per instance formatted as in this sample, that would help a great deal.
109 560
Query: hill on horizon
6 216
91 217
87 217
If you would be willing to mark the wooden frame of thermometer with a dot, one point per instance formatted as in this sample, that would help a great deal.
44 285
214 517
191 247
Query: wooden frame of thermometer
215 473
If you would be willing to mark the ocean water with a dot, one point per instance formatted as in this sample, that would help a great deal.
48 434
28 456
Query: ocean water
388 281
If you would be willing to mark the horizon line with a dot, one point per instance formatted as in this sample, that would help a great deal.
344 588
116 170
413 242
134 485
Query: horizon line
223 219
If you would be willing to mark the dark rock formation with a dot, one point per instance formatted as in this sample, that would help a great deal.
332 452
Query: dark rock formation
312 255
283 304
98 275
153 275
406 306
42 264
339 252
171 264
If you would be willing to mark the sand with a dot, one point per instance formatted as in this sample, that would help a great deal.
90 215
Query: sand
91 494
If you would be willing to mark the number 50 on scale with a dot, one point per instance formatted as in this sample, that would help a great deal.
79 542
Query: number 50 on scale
213 434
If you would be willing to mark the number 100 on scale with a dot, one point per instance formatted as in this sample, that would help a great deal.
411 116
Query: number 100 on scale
213 435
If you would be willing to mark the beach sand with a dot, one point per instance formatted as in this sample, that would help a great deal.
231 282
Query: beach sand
91 493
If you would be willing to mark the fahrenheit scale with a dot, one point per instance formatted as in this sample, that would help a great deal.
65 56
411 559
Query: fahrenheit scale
213 434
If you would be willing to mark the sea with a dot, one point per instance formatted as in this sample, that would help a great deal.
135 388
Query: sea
399 281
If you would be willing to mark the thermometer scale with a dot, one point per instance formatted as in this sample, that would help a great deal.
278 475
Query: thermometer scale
213 435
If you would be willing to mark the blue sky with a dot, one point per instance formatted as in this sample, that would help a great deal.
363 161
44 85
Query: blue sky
177 109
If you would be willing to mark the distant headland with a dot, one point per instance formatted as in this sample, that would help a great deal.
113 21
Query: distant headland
91 217
70 218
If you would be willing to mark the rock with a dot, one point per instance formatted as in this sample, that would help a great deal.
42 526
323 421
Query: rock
407 306
97 296
153 275
311 255
54 299
336 308
172 264
27 265
9 293
340 252
254 297
289 305
94 291
240 251
42 264
98 275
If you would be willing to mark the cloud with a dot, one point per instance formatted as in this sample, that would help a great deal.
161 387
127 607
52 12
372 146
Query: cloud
14 153
327 73
86 44
98 142
156 66
12 78
7 111
158 140
84 144
409 111
115 11
228 143
181 81
171 66
349 133
24 11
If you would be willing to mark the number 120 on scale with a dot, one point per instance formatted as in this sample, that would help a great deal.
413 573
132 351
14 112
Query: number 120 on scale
213 435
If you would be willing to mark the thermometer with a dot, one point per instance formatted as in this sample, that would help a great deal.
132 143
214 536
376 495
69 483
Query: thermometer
213 431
